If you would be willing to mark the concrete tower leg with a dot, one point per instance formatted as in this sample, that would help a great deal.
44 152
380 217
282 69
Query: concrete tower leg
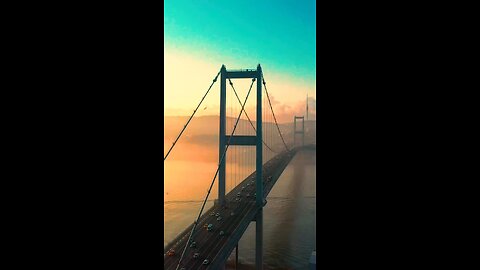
259 176
222 142
294 130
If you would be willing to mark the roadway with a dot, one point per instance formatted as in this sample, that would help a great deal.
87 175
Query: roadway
210 243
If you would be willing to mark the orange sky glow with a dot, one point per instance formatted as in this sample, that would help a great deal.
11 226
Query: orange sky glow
188 76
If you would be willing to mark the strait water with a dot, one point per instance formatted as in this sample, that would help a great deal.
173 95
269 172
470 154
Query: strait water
289 216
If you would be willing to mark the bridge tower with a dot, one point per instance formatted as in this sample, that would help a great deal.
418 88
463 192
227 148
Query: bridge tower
307 107
245 141
295 132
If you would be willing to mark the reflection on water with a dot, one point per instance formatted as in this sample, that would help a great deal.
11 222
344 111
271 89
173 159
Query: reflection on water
289 216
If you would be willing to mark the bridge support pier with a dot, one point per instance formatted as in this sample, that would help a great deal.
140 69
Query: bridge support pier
259 241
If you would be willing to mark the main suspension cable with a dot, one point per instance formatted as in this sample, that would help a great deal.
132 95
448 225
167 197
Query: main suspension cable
273 113
214 177
184 127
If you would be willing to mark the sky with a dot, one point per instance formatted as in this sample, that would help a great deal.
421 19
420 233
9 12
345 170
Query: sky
200 36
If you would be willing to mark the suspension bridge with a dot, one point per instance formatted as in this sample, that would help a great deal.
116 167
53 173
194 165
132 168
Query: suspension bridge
210 240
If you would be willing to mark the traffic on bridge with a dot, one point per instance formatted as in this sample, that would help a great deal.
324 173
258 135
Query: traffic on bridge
220 224
209 241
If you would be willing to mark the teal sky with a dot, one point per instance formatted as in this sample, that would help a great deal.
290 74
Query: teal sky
280 35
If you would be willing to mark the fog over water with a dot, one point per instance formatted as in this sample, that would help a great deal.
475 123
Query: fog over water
289 216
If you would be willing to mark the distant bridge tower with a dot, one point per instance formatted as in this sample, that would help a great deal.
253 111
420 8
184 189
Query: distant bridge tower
307 106
295 132
244 140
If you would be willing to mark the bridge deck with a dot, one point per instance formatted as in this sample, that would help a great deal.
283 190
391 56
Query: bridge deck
212 246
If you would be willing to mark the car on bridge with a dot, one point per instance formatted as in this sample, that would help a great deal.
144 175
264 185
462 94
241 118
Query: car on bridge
210 227
196 255
217 214
193 244
171 252
219 218
206 261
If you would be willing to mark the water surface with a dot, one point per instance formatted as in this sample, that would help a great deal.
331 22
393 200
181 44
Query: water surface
289 216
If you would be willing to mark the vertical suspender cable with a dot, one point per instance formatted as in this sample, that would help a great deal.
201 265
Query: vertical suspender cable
274 118
213 180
